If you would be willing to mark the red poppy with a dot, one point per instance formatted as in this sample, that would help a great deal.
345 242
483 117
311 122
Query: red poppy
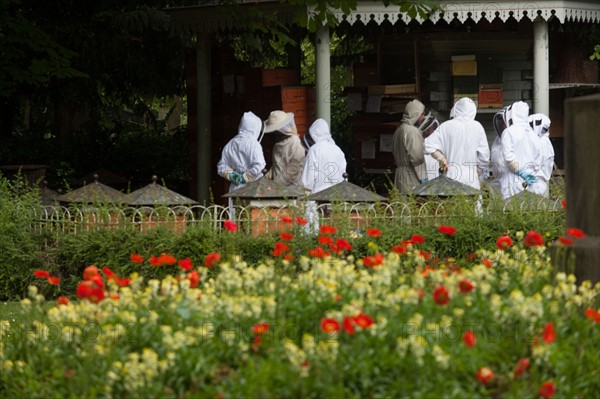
563 203
426 255
285 236
549 334
194 278
363 320
485 375
465 286
280 248
90 291
441 296
469 339
521 367
575 232
256 343
534 239
374 232
547 390
260 328
62 300
287 220
327 230
123 282
52 280
593 315
230 226
212 259
154 261
417 239
340 245
504 242
324 240
329 325
41 273
109 273
136 258
89 272
186 264
349 325
372 261
400 249
447 230
565 240
166 259
288 257
487 262
301 221
318 252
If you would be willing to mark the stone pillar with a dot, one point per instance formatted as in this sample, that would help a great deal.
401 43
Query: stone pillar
204 164
582 147
323 73
541 67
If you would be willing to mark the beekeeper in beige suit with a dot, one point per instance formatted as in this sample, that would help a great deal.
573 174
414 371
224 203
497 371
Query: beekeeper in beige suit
288 151
408 149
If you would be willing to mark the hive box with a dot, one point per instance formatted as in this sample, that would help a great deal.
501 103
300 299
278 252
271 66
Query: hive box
490 96
410 88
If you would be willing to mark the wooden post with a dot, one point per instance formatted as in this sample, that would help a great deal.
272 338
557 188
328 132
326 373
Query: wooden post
582 147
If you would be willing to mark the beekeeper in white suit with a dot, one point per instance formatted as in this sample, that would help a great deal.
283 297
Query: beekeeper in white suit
520 151
288 151
540 124
497 165
324 165
460 145
242 159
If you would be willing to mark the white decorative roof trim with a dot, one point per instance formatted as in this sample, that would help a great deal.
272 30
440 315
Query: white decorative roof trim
579 11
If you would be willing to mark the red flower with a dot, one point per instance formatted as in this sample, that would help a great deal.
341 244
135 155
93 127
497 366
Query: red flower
136 258
329 325
327 230
400 249
324 240
89 272
547 390
563 203
62 300
549 334
212 259
469 339
426 255
447 230
593 315
318 252
363 320
301 221
372 261
280 248
231 226
534 239
256 343
504 242
465 286
166 259
374 232
186 264
575 232
52 280
565 240
90 291
260 328
194 278
340 245
154 261
485 375
487 262
417 239
521 367
123 282
441 296
109 274
41 273
349 325
285 236
287 220
288 257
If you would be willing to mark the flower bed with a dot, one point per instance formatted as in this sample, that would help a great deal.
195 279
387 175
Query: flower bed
398 322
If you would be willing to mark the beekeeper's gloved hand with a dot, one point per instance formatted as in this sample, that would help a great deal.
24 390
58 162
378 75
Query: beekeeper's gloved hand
236 178
528 177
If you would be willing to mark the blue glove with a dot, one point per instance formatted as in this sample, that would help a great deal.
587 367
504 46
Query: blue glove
236 178
423 180
528 177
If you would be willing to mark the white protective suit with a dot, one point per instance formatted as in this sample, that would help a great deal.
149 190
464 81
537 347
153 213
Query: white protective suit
461 143
497 165
324 166
325 163
520 149
288 156
540 124
243 153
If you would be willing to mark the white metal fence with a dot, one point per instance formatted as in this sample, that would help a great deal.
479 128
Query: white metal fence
261 220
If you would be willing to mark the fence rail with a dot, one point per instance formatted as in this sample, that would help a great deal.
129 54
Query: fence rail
256 221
